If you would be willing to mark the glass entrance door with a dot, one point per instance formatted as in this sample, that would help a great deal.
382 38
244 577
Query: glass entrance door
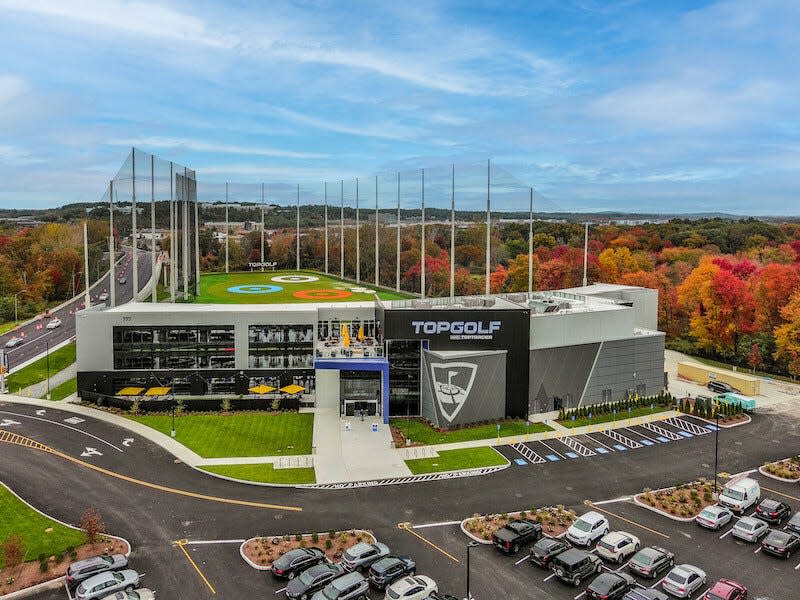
360 391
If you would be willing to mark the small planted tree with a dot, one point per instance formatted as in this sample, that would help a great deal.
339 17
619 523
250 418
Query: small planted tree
13 551
92 525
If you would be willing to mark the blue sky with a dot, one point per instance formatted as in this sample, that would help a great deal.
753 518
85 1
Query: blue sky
599 105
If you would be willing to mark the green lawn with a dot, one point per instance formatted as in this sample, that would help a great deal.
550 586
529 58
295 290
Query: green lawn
264 473
423 433
609 417
214 289
6 327
69 387
455 460
19 518
34 373
238 434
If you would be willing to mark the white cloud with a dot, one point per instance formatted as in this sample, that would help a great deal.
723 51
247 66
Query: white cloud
202 146
11 87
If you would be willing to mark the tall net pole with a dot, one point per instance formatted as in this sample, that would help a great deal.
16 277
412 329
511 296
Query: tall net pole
326 227
530 246
488 223
358 239
585 253
196 243
227 229
341 230
377 248
133 226
453 231
173 237
112 288
152 227
185 234
87 299
262 227
397 258
297 241
422 237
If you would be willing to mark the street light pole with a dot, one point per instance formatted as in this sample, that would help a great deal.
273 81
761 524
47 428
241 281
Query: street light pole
470 546
716 450
172 433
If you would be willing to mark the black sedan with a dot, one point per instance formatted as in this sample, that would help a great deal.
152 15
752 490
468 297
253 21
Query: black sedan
651 561
780 543
772 511
610 586
296 561
311 580
546 549
388 570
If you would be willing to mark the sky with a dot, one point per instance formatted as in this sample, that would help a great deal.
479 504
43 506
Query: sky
599 105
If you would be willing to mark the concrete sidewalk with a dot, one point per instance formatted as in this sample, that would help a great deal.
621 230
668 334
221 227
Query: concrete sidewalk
39 390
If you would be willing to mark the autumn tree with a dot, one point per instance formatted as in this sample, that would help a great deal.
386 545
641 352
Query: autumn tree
787 336
92 525
754 358
497 279
13 551
773 286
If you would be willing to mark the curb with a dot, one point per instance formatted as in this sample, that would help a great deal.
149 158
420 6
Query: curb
489 542
263 568
247 482
764 472
35 589
731 426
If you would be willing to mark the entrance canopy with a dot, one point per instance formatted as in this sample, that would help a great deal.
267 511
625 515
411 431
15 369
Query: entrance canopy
362 364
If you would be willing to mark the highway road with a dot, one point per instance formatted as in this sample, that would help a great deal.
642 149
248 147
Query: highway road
35 334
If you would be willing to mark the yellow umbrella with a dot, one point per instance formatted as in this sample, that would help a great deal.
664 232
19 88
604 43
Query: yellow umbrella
293 389
157 391
361 333
130 391
345 336
261 389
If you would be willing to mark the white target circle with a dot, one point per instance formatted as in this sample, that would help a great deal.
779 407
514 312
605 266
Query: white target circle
295 278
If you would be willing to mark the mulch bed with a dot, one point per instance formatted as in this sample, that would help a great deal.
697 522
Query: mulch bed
786 469
264 550
685 501
555 521
13 579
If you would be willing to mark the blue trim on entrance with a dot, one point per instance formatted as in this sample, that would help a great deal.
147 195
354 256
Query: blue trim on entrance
361 364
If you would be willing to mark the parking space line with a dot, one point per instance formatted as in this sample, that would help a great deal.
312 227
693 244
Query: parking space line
440 524
797 567
726 533
69 594
581 595
180 544
657 583
549 577
757 550
280 591
520 561
780 493
596 441
641 435
551 450
608 512
410 529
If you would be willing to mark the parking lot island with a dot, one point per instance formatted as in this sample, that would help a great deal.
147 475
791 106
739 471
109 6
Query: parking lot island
261 552
554 520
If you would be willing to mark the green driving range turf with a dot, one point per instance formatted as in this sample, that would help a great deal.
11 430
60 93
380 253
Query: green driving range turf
290 287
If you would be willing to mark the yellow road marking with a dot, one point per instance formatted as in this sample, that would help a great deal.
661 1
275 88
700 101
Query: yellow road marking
780 493
407 527
23 441
608 512
180 544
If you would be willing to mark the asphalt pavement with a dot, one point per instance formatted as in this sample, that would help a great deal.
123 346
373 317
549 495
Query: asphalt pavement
146 497
37 337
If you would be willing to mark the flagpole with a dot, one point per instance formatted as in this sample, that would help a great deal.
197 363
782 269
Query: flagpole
326 227
341 231
377 248
453 232
397 257
488 224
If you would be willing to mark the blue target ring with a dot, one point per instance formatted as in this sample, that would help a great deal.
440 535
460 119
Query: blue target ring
255 289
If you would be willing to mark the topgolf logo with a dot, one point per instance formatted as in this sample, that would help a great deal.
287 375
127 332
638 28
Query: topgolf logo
458 330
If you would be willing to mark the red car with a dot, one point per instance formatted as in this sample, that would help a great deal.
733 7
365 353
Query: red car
725 589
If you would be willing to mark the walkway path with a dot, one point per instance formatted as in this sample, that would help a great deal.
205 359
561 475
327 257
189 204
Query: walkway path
39 390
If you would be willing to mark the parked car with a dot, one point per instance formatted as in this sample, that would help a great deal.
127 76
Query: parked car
386 570
546 549
83 569
516 534
617 546
573 566
645 594
296 561
794 523
103 584
53 323
140 594
740 495
312 580
650 562
720 387
14 342
714 517
411 588
683 580
351 586
362 555
103 297
749 529
122 280
589 528
610 586
441 596
725 589
780 543
772 511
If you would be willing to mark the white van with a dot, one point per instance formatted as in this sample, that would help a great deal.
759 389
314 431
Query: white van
740 495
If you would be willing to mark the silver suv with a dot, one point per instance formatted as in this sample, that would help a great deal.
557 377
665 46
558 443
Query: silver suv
83 569
362 555
352 586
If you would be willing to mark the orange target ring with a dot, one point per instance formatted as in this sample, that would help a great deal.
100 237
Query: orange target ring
322 294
